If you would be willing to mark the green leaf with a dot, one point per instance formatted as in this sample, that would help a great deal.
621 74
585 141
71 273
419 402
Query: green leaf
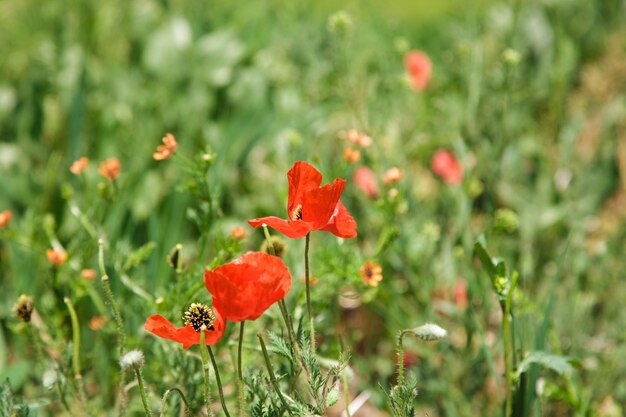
485 259
562 365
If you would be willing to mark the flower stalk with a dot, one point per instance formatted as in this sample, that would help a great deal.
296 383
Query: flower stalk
308 292
205 370
182 397
219 381
242 405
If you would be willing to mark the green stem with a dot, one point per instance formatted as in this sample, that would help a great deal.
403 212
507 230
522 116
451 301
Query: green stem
142 391
506 330
283 306
270 371
346 394
400 359
76 352
205 370
308 293
182 396
242 405
121 334
219 381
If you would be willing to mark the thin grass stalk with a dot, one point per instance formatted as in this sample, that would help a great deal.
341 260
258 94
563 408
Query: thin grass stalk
76 353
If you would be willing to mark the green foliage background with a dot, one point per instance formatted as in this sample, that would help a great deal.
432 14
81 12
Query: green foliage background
260 85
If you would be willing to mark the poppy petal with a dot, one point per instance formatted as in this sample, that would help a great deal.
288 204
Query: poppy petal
162 327
302 178
245 288
295 230
319 204
342 224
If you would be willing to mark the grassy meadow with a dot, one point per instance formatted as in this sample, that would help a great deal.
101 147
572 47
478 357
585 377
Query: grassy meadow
486 175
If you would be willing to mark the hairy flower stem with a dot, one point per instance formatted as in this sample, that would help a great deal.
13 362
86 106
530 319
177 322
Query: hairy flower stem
308 292
142 390
205 371
283 306
121 334
182 397
76 353
242 400
219 381
270 371
400 359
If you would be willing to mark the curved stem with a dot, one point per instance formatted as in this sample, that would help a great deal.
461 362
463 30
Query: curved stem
242 405
219 381
142 391
346 393
270 371
182 396
205 371
76 352
308 293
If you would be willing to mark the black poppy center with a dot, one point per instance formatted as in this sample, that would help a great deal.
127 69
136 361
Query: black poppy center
296 214
199 315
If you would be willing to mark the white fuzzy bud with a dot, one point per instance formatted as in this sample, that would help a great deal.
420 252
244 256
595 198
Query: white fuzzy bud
430 332
132 359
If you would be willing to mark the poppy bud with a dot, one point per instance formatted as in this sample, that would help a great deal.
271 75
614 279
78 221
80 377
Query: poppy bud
280 247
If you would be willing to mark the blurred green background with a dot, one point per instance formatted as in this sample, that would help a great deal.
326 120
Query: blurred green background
530 96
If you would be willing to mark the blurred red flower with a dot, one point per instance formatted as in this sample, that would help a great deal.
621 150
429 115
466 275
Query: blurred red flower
245 288
420 69
365 180
5 218
197 316
447 167
393 175
312 207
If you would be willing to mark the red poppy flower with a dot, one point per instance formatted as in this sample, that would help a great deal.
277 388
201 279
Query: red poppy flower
420 69
245 288
447 167
311 207
195 317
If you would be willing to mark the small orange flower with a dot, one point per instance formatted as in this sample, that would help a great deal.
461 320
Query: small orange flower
56 256
110 168
351 155
313 280
5 218
238 233
358 138
167 149
97 323
372 273
393 175
88 274
79 165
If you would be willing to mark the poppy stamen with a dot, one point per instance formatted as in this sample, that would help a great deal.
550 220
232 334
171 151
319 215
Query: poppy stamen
199 315
296 214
